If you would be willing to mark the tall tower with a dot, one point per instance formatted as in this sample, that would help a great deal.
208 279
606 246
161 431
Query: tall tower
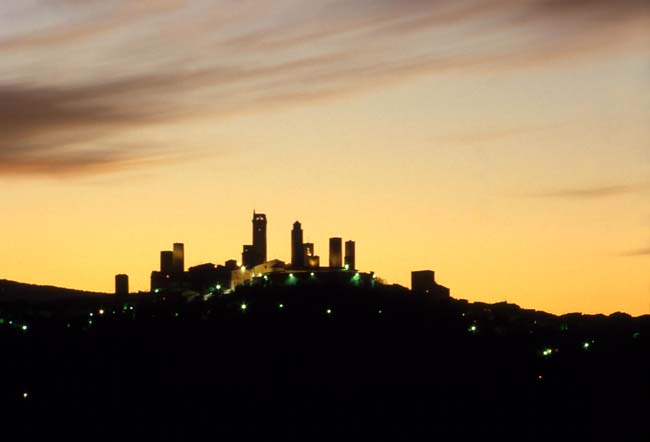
121 285
178 258
259 237
166 261
336 258
297 251
350 258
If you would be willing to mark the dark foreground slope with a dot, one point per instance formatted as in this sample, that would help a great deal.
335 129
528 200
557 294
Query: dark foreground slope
322 363
12 292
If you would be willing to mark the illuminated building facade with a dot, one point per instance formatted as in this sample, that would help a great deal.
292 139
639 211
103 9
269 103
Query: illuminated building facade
309 257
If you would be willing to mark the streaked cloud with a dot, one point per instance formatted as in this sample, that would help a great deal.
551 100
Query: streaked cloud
645 251
592 192
75 74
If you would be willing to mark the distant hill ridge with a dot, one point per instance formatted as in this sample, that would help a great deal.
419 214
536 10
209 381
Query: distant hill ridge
13 291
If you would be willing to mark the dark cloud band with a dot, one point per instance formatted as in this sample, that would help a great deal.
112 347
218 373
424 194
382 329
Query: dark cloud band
242 56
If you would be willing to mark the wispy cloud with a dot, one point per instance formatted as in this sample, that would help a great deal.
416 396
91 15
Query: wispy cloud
645 251
592 192
76 73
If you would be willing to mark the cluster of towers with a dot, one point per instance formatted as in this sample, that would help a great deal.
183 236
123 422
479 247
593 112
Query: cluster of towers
305 267
173 261
172 276
303 256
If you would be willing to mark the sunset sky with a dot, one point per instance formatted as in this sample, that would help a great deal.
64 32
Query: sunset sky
504 144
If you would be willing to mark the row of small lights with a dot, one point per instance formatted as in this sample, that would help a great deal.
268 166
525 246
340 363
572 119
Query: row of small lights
102 312
23 327
328 311
546 351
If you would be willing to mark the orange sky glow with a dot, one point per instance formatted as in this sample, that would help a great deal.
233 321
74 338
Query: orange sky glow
504 144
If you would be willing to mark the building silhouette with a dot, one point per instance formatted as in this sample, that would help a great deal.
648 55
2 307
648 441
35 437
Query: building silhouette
121 285
305 268
424 282
248 256
178 258
336 253
350 255
259 237
312 261
167 261
203 278
255 254
298 253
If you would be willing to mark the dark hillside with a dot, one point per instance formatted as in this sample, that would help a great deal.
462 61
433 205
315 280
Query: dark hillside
325 362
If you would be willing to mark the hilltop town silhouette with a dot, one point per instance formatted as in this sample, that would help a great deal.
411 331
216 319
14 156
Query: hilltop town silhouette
268 350
255 270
